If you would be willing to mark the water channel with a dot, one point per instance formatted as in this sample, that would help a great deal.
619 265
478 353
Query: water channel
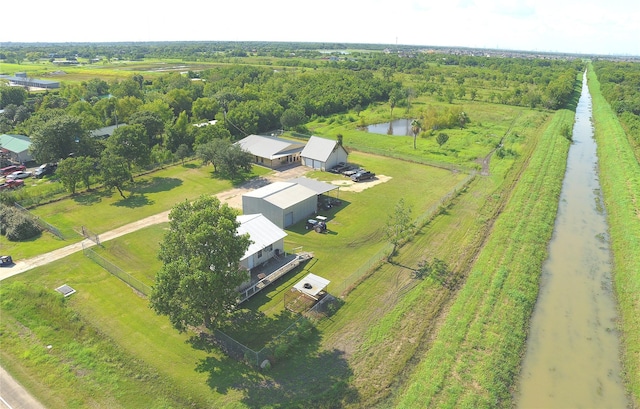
572 358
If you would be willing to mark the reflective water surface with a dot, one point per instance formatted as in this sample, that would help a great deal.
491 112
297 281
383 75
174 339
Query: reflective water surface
399 127
572 357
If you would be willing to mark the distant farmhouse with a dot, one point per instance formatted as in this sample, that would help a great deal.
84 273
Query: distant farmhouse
16 147
286 203
21 79
323 154
271 151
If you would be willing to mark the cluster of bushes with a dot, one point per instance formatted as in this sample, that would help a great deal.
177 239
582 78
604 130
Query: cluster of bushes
17 226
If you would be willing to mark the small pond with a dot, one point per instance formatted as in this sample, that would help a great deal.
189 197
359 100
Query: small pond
399 127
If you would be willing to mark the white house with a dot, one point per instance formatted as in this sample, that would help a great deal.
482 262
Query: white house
267 239
271 151
323 154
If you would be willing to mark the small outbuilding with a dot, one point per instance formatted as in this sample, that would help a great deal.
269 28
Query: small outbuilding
271 151
16 147
323 154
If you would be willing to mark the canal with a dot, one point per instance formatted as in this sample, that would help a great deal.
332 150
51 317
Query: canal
572 356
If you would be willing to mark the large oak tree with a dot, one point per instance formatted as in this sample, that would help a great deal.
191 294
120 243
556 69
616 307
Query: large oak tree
201 264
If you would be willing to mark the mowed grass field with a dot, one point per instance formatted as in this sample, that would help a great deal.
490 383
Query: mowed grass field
620 181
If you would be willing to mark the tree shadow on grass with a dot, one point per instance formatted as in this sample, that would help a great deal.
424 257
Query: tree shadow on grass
134 201
155 185
307 377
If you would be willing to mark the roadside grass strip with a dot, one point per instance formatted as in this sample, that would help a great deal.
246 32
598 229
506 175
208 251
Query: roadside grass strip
474 360
620 181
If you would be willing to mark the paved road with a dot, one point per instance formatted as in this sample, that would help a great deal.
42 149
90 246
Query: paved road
14 396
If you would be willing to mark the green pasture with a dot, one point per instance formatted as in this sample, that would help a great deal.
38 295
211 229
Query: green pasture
465 148
620 181
474 360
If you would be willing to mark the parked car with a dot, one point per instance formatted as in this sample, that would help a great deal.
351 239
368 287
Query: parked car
20 174
45 169
10 169
11 184
351 171
362 175
6 261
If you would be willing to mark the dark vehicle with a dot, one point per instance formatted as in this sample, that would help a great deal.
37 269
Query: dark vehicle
318 225
6 261
339 168
45 169
362 175
10 169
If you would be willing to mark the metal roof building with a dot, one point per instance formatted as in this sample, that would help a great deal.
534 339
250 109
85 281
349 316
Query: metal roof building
271 151
31 82
17 146
267 239
284 203
323 154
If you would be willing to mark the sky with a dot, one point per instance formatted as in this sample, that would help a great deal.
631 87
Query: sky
610 27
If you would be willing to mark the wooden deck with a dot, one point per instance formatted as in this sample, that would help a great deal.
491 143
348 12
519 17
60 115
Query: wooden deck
264 279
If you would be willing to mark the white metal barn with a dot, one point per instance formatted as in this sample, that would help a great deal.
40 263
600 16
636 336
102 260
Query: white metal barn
323 154
284 203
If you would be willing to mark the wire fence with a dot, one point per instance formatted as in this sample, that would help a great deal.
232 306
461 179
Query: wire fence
117 271
43 225
280 345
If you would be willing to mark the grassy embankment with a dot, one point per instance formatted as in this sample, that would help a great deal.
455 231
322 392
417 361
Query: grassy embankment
620 182
476 355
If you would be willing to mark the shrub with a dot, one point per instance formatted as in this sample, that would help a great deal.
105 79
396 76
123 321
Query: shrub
21 227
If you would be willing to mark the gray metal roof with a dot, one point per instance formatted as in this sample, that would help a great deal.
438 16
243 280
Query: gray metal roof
283 194
315 185
270 147
262 231
290 196
269 189
319 148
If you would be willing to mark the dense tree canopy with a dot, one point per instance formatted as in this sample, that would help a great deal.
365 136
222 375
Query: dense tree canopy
200 264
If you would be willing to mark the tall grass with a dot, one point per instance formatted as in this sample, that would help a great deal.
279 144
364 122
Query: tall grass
475 358
620 181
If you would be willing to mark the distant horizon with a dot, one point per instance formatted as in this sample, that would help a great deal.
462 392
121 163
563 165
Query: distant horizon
590 27
344 43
